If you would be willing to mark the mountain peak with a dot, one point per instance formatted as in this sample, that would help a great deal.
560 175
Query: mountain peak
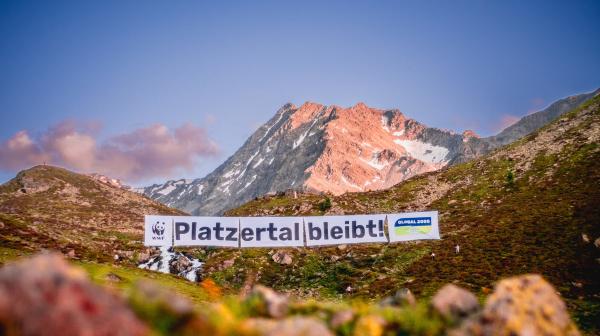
360 106
305 113
327 148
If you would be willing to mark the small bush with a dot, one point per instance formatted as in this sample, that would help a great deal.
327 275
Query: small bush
325 205
510 178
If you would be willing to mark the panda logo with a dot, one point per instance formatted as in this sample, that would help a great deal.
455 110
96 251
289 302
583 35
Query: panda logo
158 228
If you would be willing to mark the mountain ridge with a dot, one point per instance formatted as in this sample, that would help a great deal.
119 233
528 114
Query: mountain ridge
530 206
345 157
306 148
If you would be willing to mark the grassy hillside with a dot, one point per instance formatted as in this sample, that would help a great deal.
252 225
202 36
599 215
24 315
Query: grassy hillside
47 207
523 208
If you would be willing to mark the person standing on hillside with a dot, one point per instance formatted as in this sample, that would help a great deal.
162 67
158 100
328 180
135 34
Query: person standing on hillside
457 248
432 255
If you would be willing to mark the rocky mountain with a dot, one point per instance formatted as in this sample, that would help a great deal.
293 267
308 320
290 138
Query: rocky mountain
113 182
537 120
317 148
529 207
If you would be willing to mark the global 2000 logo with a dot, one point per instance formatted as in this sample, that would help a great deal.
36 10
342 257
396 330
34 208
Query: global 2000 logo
415 225
158 229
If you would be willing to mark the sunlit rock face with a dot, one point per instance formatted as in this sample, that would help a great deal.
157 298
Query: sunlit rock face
318 148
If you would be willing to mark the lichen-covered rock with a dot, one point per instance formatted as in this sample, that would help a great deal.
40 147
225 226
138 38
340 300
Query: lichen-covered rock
293 326
180 264
523 305
454 302
282 258
266 302
402 297
43 295
341 318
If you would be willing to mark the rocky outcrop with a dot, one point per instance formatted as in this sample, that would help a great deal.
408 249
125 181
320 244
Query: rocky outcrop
46 296
453 302
523 305
115 183
43 295
293 326
267 302
171 262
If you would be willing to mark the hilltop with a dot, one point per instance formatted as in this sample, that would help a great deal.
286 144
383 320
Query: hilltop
47 207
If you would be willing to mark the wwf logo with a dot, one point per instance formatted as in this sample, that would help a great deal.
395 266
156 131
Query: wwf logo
158 228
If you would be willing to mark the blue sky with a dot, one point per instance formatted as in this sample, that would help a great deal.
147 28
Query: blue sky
118 67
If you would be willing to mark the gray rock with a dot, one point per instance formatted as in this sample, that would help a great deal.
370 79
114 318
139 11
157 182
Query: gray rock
143 257
111 277
293 326
180 264
523 305
270 303
44 295
282 258
402 297
341 318
453 302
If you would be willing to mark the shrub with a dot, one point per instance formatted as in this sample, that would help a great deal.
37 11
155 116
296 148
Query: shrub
325 205
510 178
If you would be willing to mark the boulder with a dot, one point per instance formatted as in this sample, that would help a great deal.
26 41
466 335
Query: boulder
585 238
43 295
341 318
151 293
282 258
228 263
143 257
402 297
453 302
180 264
523 305
112 277
293 326
267 302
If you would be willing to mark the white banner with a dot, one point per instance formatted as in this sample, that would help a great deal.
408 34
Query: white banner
289 231
206 231
413 226
158 230
353 229
271 232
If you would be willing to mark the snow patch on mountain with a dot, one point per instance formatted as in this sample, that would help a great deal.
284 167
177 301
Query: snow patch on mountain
424 151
